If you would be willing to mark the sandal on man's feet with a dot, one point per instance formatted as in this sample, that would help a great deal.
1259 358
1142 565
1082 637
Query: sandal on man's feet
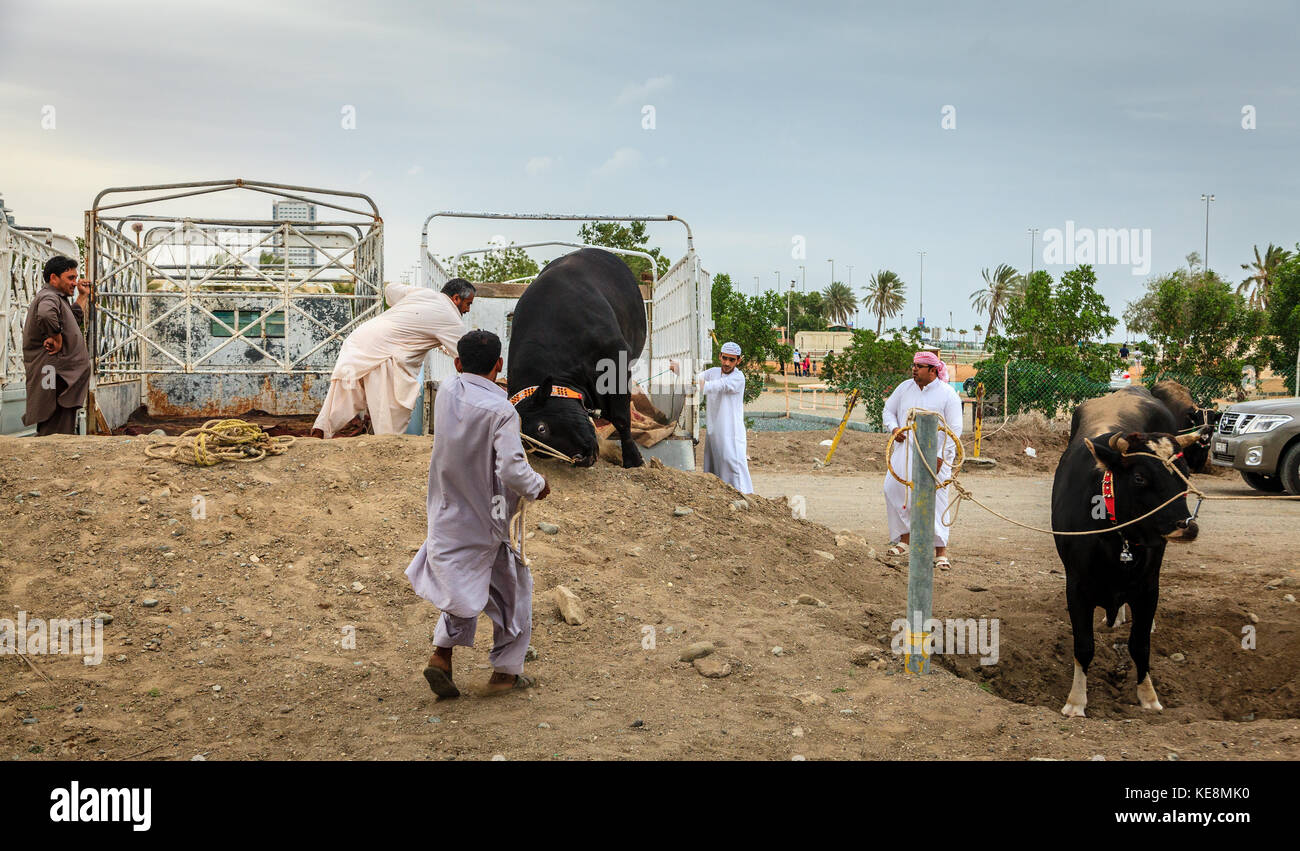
942 563
898 548
521 681
440 681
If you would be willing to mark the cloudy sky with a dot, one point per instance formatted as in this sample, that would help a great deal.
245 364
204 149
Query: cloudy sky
862 134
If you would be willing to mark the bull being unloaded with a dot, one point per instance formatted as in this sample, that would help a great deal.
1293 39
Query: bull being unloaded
1121 465
577 330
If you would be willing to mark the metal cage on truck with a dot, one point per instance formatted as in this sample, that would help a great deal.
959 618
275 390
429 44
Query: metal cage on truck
211 316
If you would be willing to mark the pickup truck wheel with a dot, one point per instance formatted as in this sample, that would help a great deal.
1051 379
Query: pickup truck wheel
1260 482
1289 470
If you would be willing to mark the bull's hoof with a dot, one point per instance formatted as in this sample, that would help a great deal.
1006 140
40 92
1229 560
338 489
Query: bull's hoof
1147 695
1070 710
631 456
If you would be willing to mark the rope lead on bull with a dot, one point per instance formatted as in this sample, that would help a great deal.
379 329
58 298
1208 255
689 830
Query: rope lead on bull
920 555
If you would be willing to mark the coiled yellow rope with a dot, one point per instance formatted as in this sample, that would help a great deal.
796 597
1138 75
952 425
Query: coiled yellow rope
220 440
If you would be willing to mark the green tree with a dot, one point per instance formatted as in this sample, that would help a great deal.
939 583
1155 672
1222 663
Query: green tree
1264 271
630 236
807 312
1284 320
1049 346
840 303
1000 287
1202 332
750 322
873 366
504 264
886 295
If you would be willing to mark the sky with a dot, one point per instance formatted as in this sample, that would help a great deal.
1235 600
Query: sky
858 133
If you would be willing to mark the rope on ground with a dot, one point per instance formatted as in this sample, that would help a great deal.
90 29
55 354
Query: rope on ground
949 516
220 440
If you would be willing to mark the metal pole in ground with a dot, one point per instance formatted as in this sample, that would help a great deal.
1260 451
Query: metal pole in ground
920 551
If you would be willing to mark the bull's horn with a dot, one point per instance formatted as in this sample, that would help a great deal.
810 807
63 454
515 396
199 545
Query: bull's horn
1118 443
1186 440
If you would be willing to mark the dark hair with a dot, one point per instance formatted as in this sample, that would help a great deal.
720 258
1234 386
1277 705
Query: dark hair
479 351
458 288
57 265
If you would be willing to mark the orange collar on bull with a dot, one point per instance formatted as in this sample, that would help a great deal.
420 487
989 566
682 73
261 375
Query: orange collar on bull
556 390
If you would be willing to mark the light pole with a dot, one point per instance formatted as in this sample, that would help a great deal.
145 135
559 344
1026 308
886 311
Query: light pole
922 298
855 298
777 275
756 286
1033 232
832 262
803 280
1205 258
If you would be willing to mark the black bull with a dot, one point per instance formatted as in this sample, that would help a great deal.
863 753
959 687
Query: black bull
1126 436
578 327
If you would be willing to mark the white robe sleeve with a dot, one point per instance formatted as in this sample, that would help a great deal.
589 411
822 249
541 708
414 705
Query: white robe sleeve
726 384
512 465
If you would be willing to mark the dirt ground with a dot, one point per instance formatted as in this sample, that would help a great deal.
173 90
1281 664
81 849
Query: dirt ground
296 553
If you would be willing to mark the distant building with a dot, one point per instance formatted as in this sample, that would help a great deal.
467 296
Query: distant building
5 213
293 211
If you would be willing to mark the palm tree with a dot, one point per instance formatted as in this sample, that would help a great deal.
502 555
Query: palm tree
1260 285
978 329
838 303
1004 284
1193 260
886 295
963 332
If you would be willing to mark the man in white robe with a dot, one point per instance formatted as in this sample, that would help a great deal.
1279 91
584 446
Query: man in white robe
725 444
928 389
378 367
466 566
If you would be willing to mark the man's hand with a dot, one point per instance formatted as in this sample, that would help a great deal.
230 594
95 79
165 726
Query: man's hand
53 345
84 291
546 489
899 435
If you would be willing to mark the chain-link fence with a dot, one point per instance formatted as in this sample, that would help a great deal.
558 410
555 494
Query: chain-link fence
1020 387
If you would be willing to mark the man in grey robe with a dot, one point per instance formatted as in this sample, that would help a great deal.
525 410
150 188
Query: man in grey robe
477 476
54 350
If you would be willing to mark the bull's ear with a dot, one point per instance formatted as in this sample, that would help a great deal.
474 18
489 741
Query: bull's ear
1104 453
541 394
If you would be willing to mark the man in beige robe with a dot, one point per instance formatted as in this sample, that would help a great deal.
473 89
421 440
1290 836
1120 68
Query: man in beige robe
378 367
54 350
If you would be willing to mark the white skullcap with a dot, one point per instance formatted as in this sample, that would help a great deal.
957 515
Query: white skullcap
731 349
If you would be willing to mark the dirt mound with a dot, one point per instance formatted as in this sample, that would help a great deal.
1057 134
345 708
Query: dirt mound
260 611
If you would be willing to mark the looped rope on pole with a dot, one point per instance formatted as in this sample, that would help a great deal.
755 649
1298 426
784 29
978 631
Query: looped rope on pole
911 426
220 440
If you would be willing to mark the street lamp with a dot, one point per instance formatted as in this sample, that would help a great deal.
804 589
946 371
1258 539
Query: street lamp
922 298
803 280
832 262
756 286
1033 232
1205 258
855 298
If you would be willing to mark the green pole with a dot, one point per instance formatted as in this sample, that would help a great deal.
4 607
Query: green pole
920 558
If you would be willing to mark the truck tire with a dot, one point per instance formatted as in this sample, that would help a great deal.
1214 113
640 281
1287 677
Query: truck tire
1260 482
1289 470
